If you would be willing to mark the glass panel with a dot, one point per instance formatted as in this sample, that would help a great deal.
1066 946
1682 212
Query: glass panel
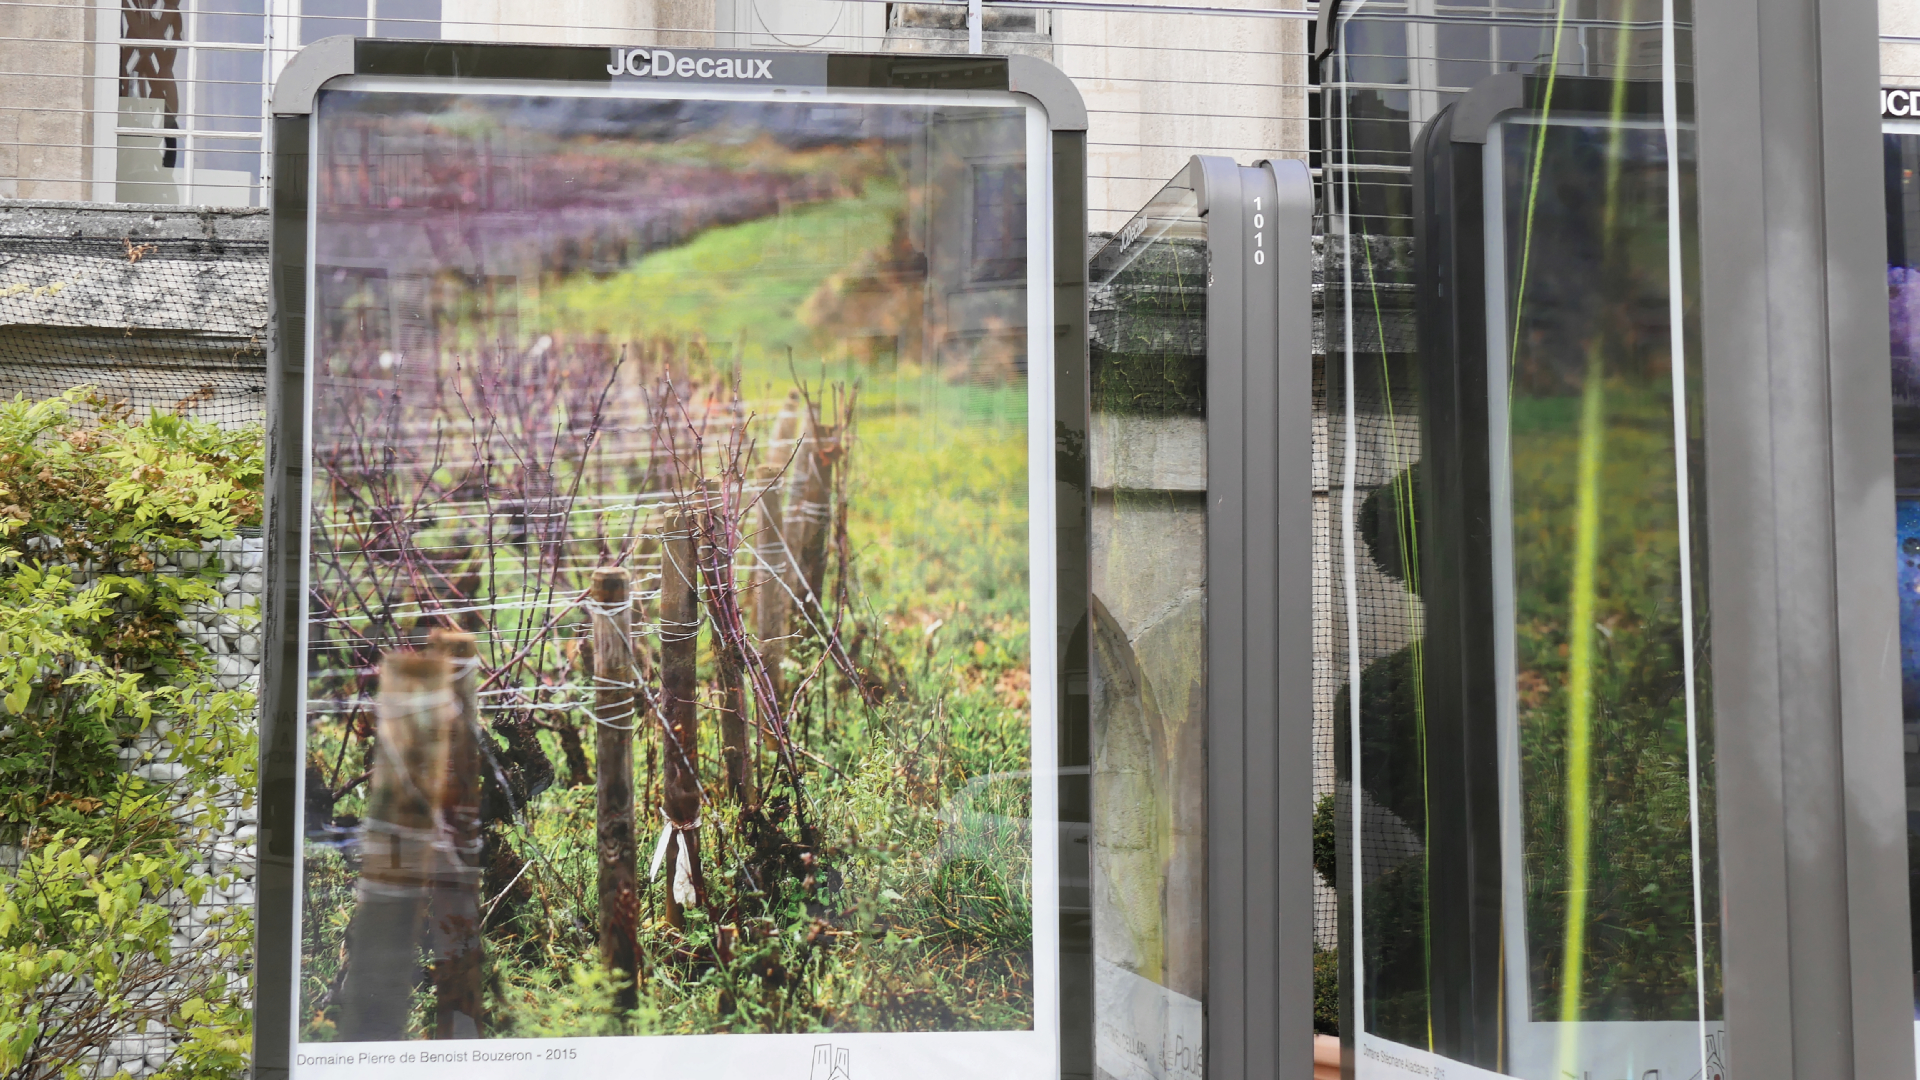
1375 52
1522 827
240 21
671 505
1598 623
1902 159
1149 453
418 19
999 222
1463 52
148 169
328 18
226 172
156 20
150 86
227 89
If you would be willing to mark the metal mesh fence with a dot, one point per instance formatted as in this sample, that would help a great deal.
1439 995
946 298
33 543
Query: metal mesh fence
162 101
150 310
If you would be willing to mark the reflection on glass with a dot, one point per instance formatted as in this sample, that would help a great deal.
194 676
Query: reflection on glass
672 414
150 86
407 19
1149 453
999 222
1518 614
150 168
1375 51
1600 698
157 20
147 169
225 171
330 18
227 89
242 22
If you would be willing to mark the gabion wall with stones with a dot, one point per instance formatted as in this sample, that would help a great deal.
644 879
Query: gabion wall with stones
158 307
230 632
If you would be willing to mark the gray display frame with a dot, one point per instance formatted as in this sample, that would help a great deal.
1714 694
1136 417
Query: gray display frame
1799 503
1259 608
282 705
1799 433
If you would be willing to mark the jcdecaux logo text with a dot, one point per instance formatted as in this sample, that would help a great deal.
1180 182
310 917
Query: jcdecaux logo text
661 63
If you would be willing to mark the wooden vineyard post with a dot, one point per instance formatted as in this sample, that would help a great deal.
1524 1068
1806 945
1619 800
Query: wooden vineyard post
772 579
397 867
736 743
679 715
453 906
611 603
809 515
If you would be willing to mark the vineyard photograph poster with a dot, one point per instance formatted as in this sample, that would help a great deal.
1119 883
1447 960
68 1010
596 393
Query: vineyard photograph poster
678 636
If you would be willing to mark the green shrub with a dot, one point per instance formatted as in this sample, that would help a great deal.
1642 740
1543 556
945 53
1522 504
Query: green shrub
95 676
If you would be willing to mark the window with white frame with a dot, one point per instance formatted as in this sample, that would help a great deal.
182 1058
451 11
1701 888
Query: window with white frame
369 18
188 97
188 90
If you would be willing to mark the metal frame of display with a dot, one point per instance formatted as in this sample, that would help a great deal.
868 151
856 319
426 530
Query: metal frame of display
1813 832
1259 614
282 706
1258 636
1799 503
1480 990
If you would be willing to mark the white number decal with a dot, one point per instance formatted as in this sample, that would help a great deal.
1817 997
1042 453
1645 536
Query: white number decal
1259 258
1259 220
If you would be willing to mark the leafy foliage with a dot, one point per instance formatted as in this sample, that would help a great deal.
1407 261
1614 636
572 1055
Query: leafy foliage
93 669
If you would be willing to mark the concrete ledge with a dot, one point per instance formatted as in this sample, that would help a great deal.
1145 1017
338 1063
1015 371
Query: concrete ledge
55 219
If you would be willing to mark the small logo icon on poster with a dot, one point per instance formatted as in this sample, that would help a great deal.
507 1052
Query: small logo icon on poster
1715 1070
829 1062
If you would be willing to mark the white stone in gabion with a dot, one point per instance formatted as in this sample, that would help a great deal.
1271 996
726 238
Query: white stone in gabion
162 772
249 645
238 600
253 581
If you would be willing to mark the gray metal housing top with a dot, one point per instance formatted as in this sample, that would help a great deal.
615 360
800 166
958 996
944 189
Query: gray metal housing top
300 81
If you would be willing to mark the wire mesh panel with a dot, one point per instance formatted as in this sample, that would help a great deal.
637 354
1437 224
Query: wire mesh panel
161 311
160 101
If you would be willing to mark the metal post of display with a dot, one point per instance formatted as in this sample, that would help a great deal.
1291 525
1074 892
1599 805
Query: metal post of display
1203 428
1800 516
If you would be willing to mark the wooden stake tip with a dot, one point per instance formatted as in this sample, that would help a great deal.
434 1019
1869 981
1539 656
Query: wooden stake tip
411 665
455 643
610 583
